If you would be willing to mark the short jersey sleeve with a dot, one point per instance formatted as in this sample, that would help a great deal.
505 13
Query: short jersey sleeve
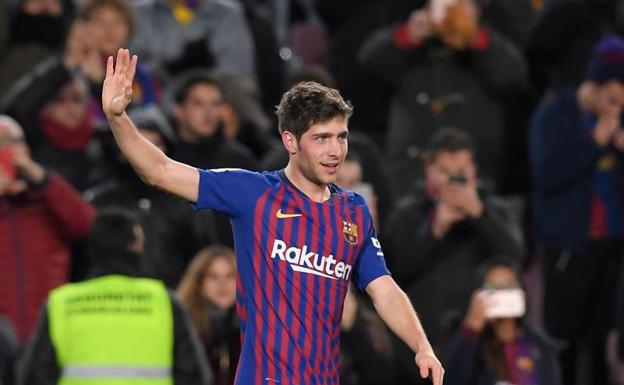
230 191
371 263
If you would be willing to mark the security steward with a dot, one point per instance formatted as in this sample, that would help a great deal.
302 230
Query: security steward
115 328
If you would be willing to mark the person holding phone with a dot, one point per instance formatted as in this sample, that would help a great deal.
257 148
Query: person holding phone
40 215
442 231
494 345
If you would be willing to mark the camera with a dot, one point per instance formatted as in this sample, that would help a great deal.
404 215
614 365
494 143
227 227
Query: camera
458 179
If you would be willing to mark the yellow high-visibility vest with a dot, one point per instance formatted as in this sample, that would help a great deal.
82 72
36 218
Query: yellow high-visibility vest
112 330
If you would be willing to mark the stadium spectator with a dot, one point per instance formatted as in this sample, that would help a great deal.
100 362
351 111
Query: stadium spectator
106 26
36 30
447 70
193 34
576 144
243 117
442 231
494 345
53 107
199 122
40 214
114 326
208 289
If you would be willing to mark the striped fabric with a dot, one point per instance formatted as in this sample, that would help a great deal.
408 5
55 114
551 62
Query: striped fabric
295 260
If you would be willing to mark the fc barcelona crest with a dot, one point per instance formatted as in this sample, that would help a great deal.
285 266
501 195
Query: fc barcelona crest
350 232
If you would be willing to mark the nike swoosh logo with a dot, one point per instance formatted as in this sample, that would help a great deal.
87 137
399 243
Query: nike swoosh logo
280 215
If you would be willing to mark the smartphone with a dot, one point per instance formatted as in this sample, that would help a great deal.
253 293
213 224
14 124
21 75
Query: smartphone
504 303
7 165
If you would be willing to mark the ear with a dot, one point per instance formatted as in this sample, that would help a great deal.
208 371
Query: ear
290 142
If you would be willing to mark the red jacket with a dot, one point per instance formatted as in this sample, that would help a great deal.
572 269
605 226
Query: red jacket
35 231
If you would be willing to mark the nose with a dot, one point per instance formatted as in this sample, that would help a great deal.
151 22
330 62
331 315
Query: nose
335 147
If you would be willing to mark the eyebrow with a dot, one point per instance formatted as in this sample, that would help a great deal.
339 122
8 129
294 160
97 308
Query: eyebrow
325 134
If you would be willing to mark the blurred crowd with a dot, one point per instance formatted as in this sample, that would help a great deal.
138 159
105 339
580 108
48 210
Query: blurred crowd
487 139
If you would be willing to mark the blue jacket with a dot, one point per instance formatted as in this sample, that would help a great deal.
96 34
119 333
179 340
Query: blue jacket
563 161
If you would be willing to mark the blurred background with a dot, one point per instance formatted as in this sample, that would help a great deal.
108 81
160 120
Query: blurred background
487 139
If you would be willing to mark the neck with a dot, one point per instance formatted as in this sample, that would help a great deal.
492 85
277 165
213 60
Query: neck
316 192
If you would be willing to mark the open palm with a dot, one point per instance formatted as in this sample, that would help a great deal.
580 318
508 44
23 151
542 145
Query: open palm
117 89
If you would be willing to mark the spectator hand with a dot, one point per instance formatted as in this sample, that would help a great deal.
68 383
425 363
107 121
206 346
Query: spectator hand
445 216
32 171
475 318
605 129
429 366
463 197
618 139
117 89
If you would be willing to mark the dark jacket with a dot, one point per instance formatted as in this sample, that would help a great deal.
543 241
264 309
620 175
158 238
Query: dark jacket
563 162
223 345
82 167
435 87
438 275
174 232
36 229
366 355
465 364
39 364
8 352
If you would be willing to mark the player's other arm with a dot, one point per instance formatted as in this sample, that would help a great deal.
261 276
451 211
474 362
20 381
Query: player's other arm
396 310
149 162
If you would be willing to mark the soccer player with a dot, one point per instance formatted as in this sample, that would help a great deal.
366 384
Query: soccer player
299 237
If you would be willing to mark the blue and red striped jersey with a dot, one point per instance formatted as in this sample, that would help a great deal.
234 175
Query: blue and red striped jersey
295 260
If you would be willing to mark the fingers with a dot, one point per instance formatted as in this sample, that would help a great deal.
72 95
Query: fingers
438 374
132 69
118 61
109 67
424 371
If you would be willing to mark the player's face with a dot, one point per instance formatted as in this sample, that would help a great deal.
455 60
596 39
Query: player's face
219 284
199 114
321 151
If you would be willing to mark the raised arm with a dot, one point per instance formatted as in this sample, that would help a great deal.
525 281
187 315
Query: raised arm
149 162
396 310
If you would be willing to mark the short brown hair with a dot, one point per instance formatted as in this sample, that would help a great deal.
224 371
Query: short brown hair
308 103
